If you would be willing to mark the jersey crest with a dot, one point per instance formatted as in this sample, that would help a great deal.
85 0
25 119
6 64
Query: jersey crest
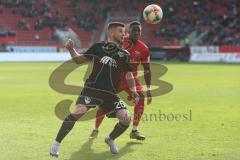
87 100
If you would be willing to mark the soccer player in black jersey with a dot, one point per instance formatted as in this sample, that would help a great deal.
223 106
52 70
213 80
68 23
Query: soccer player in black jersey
109 61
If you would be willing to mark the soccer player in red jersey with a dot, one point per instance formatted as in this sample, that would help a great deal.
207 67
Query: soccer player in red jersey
139 54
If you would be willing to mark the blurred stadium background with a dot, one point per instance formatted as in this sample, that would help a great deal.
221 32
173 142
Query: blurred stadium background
195 30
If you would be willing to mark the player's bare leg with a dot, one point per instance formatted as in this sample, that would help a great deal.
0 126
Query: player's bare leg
99 118
124 120
138 111
94 134
66 127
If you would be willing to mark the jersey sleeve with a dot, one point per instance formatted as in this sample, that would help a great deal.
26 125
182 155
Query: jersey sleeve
145 56
91 52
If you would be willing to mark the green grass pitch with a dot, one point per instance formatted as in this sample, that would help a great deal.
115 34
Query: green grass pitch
210 91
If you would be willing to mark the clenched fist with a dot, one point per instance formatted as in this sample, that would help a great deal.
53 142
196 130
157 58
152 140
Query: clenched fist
69 44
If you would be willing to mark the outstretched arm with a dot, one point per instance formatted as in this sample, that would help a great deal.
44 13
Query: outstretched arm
77 58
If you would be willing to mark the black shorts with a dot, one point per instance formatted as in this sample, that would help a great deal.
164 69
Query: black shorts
109 102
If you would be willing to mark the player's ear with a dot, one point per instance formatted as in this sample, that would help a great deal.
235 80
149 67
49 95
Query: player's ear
112 31
109 32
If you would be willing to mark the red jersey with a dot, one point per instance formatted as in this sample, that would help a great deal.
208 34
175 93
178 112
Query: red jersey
139 54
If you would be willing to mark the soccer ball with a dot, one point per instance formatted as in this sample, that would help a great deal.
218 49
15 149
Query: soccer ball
152 14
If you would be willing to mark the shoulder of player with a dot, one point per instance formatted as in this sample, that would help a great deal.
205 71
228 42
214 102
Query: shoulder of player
125 52
93 50
98 44
142 44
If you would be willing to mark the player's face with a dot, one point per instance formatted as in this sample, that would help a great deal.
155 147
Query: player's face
135 32
119 34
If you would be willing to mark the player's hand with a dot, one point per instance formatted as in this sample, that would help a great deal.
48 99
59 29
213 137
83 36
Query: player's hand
149 97
69 44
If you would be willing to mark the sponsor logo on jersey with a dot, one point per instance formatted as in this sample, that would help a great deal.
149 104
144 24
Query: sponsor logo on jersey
108 60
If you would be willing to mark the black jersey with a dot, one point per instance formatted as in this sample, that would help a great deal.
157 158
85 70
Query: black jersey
109 62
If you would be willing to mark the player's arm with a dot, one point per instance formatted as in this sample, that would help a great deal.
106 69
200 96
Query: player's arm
132 85
147 75
76 57
127 66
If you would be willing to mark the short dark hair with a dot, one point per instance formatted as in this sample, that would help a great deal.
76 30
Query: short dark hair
115 24
134 23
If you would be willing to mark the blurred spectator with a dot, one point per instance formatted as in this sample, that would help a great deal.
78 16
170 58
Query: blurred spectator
28 3
37 37
53 1
201 17
9 3
46 6
23 25
38 25
18 11
33 13
3 48
217 22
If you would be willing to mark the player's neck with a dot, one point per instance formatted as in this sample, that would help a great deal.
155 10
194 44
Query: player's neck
113 41
134 41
